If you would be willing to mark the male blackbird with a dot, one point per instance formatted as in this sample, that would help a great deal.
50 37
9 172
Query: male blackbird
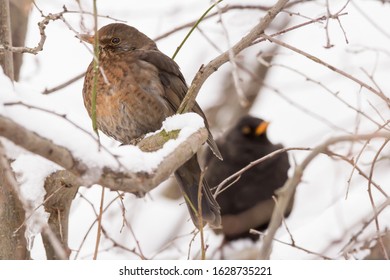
247 203
137 88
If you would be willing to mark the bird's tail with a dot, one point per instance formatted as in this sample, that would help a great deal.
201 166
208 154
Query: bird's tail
188 177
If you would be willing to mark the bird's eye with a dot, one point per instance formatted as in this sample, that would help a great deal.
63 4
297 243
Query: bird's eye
115 41
246 130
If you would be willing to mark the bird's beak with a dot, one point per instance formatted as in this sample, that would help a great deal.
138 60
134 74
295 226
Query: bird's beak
261 128
87 38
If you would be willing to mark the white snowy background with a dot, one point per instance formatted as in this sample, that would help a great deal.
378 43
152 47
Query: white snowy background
324 217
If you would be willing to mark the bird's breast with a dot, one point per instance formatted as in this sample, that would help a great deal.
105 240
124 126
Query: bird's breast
129 99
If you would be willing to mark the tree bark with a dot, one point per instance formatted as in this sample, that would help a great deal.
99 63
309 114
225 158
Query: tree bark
13 245
19 11
6 60
61 187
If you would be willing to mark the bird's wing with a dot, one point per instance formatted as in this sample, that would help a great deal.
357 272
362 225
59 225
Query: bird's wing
175 86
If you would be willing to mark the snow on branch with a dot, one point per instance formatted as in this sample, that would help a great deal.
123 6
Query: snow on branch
156 166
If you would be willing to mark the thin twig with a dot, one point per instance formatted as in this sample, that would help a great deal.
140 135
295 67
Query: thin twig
370 20
354 238
141 254
298 26
193 28
213 65
331 67
328 90
310 113
223 10
221 185
63 85
200 218
293 245
95 70
286 192
31 214
99 225
357 158
232 59
360 171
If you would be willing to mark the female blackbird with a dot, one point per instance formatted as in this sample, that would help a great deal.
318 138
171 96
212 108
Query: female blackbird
137 88
247 203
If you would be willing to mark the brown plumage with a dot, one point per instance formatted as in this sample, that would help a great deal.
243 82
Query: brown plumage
138 87
248 202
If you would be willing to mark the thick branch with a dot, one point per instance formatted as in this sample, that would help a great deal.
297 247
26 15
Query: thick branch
61 187
13 245
6 59
40 145
20 10
137 183
141 183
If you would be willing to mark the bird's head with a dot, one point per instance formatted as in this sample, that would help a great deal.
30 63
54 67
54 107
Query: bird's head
252 128
119 37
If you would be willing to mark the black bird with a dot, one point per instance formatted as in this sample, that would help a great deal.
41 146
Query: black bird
248 202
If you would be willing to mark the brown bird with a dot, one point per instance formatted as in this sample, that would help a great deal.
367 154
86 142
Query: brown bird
138 87
247 204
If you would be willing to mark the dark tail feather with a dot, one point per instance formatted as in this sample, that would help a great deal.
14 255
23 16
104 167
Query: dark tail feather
213 146
210 139
188 176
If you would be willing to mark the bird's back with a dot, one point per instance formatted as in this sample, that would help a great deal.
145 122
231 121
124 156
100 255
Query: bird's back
255 184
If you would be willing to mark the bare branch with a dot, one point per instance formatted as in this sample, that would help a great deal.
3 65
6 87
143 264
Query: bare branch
220 187
285 193
222 10
331 67
293 245
42 26
213 65
99 226
63 85
355 237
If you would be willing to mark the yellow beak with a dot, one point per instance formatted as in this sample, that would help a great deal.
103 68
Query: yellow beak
261 128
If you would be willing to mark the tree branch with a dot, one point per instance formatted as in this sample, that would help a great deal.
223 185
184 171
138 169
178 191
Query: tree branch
13 244
141 182
61 187
213 65
285 193
138 183
40 145
331 67
6 58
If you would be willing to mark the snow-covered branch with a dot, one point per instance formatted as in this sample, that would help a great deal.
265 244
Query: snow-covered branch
119 178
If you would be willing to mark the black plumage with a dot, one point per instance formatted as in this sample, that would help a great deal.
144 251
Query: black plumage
248 202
